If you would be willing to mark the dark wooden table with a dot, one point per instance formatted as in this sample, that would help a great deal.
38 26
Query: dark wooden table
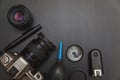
89 23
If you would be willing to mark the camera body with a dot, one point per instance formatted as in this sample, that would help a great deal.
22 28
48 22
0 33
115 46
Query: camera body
19 68
24 65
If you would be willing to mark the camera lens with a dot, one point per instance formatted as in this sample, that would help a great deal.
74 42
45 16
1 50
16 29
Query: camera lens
20 17
37 51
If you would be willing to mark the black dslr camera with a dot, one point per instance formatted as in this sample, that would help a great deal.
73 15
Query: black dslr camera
24 66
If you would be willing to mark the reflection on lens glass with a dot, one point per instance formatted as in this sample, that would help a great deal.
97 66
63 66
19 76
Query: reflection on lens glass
19 16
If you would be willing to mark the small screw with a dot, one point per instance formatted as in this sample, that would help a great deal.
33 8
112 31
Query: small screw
95 54
38 76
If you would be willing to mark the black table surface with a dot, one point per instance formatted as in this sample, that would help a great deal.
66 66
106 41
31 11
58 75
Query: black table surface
89 23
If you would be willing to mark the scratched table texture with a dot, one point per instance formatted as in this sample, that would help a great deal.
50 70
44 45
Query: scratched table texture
88 23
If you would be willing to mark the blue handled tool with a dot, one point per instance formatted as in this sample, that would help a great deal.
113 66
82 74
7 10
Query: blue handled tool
60 51
57 72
